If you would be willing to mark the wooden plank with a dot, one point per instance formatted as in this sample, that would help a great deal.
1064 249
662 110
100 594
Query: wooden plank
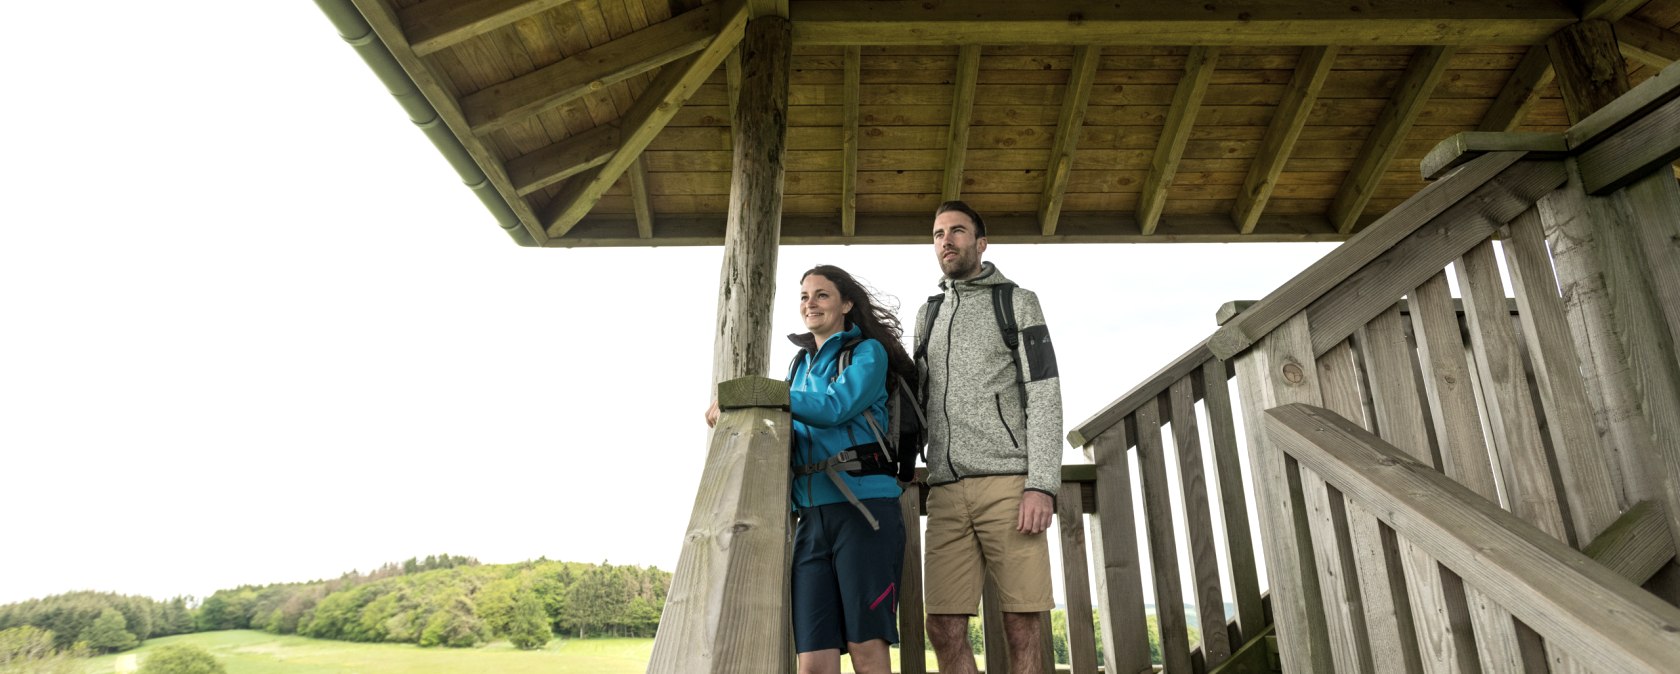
1649 144
995 643
747 282
1383 144
962 112
1163 548
1441 615
1583 608
1514 427
434 25
1082 639
1520 93
1596 124
1295 294
675 83
1198 520
1447 387
1464 146
639 198
1344 607
550 164
1175 134
1146 391
1636 545
912 636
1078 93
1594 501
1277 23
1239 543
1278 371
1290 117
1610 10
725 601
1114 550
591 70
1648 44
849 142
1366 293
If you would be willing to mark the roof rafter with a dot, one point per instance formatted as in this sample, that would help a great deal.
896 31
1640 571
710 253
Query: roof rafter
849 141
962 113
1187 100
1520 92
645 119
1291 116
590 70
1648 44
434 25
556 162
1422 74
1607 9
639 200
1078 93
1137 22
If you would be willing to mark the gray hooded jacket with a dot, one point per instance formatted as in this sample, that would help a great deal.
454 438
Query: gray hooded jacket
976 422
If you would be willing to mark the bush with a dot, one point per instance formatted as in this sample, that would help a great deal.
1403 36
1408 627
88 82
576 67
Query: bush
181 659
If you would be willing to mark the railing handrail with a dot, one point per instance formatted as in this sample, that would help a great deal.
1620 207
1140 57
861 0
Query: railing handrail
1573 602
1146 391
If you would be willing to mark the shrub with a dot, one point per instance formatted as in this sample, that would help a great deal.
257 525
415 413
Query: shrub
181 659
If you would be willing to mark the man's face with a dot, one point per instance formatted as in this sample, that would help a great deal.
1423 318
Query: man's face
955 245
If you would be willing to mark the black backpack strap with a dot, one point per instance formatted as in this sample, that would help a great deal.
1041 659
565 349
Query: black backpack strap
933 302
1003 305
793 367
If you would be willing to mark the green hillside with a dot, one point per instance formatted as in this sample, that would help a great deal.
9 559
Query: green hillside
252 652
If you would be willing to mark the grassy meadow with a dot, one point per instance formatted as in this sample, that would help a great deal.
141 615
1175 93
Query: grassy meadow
253 652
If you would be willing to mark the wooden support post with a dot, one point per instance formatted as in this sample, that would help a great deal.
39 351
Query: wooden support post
1589 65
747 284
725 603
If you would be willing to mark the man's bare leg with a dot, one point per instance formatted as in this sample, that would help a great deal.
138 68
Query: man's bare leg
949 634
1026 652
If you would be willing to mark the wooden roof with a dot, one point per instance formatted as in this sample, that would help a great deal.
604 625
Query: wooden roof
1263 120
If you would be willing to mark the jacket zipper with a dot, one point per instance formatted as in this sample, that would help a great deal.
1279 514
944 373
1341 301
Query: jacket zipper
950 323
997 398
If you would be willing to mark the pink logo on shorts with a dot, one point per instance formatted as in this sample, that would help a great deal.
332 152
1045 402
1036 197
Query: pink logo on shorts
888 592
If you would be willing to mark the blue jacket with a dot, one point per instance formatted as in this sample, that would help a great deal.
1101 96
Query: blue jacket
828 415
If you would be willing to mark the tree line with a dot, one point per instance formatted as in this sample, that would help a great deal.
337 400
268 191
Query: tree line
441 600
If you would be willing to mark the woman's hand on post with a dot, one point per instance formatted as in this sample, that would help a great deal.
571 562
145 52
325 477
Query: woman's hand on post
712 415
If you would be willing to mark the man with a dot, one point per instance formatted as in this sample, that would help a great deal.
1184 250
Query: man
994 448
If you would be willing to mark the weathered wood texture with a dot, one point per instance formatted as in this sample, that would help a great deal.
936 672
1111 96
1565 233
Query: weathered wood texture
1068 126
1082 639
747 282
912 631
725 601
1380 148
1163 546
1583 608
1175 135
1291 117
1114 550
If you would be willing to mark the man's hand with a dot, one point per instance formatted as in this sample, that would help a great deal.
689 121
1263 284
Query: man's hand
1036 507
712 415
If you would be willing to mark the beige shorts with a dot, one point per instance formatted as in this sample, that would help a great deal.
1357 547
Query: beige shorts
971 528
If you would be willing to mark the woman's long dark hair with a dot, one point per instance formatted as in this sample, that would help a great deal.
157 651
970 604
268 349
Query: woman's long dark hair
873 318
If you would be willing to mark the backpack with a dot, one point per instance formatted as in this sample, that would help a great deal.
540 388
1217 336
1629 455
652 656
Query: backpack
896 447
1003 309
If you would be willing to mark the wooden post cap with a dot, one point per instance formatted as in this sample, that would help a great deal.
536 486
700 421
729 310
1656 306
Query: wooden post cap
752 392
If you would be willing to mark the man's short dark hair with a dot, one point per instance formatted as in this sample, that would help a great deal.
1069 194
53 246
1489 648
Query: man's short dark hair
960 207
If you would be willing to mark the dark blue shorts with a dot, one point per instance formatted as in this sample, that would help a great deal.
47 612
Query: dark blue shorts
845 575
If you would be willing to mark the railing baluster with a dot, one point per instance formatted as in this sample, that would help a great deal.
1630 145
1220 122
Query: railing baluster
1163 547
1239 542
1114 549
1198 519
1082 639
912 636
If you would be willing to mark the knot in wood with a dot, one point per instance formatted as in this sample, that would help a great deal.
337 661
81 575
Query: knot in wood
1292 373
740 528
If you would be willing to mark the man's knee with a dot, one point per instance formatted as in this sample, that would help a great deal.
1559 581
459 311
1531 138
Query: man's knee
1019 626
947 629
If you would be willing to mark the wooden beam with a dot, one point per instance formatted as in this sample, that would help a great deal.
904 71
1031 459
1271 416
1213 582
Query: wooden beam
1580 607
553 163
638 175
1607 9
1264 22
1648 44
644 120
1636 545
1175 134
590 70
1466 145
1591 72
1287 121
1520 92
962 111
1425 70
1077 94
434 25
849 141
732 77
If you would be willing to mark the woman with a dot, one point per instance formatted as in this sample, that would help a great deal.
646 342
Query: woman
847 557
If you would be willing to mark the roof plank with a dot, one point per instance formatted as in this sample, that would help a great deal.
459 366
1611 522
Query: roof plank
674 85
1383 144
1078 93
434 25
1291 116
1175 134
1267 22
590 71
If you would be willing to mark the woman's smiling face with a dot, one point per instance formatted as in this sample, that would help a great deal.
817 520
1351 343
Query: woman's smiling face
821 306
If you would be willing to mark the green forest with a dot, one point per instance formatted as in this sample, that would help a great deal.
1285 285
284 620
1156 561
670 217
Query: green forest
441 600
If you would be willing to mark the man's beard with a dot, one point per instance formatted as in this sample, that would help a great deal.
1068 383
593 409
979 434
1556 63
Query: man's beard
962 266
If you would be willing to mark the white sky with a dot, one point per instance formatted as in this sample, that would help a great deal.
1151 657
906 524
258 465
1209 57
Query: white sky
253 329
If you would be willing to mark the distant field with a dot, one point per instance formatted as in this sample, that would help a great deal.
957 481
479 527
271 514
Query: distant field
251 652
